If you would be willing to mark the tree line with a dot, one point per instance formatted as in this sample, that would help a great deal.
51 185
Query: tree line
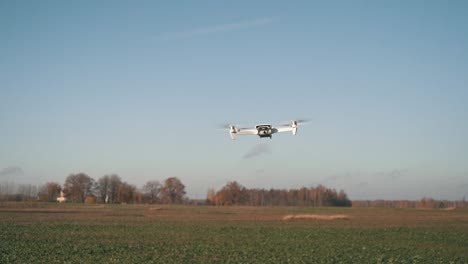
81 188
234 193
424 203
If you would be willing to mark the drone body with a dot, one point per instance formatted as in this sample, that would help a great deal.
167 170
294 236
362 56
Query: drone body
264 130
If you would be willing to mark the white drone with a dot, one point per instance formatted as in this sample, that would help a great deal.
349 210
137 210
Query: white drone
264 130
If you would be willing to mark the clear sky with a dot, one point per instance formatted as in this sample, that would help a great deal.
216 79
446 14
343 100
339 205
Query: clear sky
138 88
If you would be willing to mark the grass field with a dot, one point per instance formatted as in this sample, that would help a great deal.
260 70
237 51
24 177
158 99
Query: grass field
48 233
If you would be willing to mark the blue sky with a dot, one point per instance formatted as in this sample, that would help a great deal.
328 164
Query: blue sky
139 89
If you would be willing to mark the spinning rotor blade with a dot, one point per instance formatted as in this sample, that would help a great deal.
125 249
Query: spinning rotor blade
302 121
298 121
231 126
225 126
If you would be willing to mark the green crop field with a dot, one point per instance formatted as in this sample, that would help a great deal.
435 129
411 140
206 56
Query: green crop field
67 233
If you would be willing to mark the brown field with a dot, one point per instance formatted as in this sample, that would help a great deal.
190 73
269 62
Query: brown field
358 217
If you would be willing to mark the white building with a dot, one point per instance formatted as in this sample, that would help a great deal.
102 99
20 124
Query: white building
61 198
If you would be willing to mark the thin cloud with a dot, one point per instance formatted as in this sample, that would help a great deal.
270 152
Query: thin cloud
362 184
257 150
336 177
391 175
11 171
215 29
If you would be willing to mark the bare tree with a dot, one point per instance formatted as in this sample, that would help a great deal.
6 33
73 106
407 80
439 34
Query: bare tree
173 191
26 192
115 183
153 189
109 187
6 190
103 186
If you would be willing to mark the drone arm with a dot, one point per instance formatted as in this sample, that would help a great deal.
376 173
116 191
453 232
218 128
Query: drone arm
292 128
233 131
247 131
284 129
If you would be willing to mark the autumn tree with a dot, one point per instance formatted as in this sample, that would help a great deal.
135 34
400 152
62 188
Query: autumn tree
211 197
173 191
232 194
342 199
235 194
127 193
49 191
79 186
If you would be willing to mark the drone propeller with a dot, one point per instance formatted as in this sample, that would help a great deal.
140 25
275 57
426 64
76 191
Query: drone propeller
224 126
297 121
231 126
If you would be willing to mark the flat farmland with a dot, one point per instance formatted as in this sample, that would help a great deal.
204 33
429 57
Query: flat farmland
71 233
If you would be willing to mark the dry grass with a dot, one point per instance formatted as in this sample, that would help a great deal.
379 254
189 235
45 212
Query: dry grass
315 217
156 209
450 208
